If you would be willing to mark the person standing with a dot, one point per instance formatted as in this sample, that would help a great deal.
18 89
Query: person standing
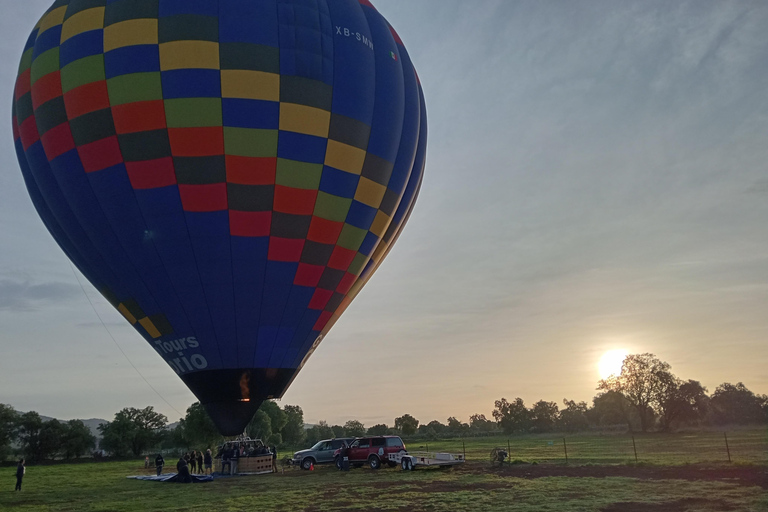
159 463
21 470
274 459
200 462
226 458
208 459
193 462
234 458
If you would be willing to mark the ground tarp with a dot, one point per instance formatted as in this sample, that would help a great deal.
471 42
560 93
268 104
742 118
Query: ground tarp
173 478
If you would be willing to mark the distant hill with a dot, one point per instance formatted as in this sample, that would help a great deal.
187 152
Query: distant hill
92 424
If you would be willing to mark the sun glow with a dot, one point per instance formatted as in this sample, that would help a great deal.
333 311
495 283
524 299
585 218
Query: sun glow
610 363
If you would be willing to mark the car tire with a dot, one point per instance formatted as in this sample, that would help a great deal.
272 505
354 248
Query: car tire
337 462
307 463
374 462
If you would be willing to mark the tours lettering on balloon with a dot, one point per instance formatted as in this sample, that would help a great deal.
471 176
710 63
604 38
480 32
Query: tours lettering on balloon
343 31
183 363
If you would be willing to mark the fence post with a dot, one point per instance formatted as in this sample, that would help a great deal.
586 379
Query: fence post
727 448
566 451
634 447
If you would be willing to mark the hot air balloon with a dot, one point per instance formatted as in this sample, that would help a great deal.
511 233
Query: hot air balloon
227 173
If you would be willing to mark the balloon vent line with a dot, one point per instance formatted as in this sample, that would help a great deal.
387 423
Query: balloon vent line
118 345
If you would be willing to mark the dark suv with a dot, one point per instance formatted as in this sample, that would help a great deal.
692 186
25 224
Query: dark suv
321 453
373 451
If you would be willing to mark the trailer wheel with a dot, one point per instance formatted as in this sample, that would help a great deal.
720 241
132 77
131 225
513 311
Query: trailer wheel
374 462
406 463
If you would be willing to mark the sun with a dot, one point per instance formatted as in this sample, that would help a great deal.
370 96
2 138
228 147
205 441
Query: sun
610 363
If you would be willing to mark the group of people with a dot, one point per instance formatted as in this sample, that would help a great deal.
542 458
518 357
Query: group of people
189 463
231 453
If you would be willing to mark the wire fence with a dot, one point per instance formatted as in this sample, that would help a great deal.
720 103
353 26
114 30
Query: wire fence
738 447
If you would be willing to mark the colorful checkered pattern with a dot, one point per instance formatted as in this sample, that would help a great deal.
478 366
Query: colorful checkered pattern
231 171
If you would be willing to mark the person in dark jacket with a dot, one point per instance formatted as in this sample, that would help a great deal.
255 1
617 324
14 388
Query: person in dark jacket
183 471
226 456
159 463
192 462
274 459
208 460
20 471
200 462
234 458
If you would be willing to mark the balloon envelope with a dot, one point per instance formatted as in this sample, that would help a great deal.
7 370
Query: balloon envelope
227 173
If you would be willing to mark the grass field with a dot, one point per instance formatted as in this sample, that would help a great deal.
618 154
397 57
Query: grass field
745 446
593 486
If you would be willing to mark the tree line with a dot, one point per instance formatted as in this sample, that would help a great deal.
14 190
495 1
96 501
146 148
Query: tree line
645 396
37 439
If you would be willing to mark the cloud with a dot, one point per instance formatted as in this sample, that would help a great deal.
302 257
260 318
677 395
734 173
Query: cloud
25 296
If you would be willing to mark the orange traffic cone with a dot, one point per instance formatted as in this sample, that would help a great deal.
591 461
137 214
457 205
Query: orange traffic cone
311 466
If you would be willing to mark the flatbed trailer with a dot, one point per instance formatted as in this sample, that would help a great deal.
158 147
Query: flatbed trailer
409 461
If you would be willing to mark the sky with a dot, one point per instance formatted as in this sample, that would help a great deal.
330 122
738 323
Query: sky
596 180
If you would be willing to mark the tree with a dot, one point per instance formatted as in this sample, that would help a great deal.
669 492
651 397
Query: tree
407 424
737 405
612 408
544 416
30 425
574 417
260 426
197 428
52 435
78 439
643 381
319 432
354 428
338 431
175 440
438 427
133 431
277 417
479 423
378 430
9 419
512 416
293 432
681 401
457 427
764 406
267 423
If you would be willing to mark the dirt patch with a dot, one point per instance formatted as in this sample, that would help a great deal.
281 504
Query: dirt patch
684 505
438 486
740 475
748 476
